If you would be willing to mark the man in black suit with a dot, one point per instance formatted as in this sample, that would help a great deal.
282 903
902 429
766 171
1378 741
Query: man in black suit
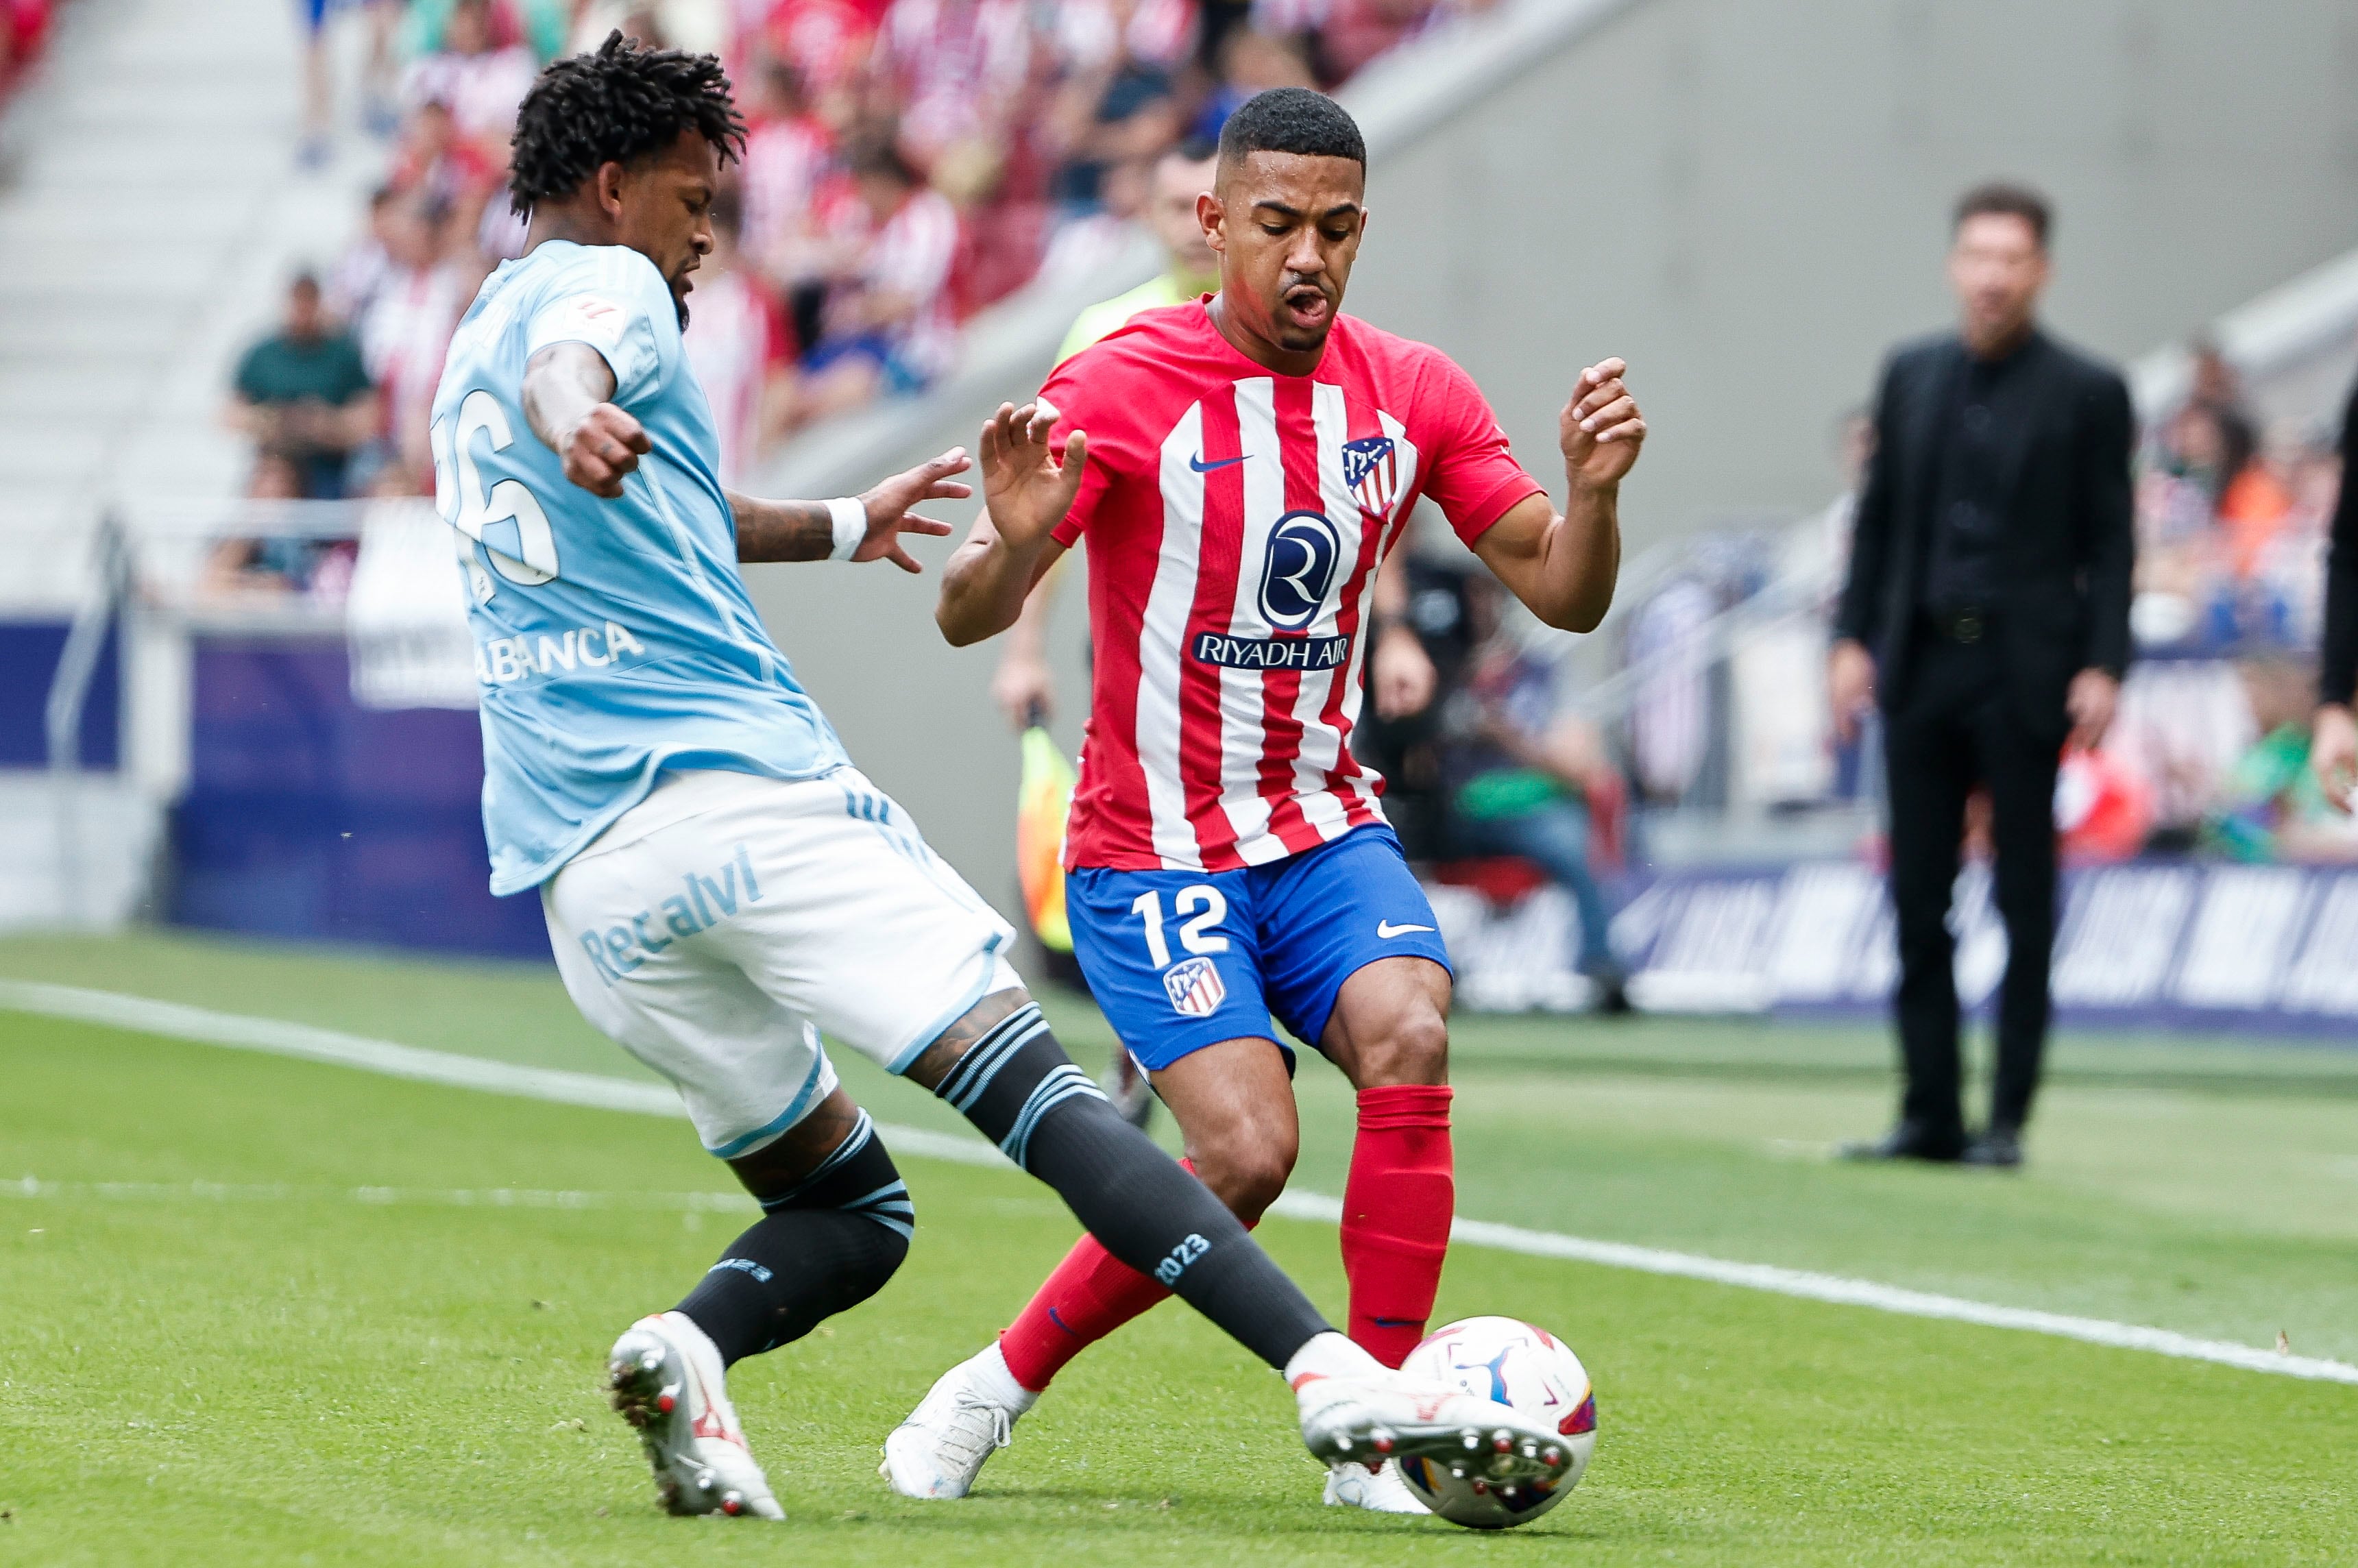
2333 744
1988 612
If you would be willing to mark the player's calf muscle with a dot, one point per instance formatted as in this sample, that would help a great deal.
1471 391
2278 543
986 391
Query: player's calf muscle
1003 1068
834 1228
1235 1107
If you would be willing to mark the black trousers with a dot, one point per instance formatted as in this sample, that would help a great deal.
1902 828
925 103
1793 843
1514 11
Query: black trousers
1957 727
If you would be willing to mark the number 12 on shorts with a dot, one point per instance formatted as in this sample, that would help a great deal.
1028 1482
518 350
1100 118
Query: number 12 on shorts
1195 934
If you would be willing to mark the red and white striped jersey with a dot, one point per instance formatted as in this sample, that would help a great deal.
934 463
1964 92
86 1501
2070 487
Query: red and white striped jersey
1234 519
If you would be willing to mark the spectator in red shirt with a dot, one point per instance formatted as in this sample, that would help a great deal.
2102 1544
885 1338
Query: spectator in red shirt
23 24
888 326
431 275
480 82
826 41
787 152
435 162
955 69
739 343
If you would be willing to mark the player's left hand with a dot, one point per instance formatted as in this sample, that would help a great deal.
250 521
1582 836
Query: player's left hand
888 507
1404 675
2094 697
1600 429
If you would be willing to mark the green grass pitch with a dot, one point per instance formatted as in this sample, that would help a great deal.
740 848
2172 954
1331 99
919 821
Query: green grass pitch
277 1370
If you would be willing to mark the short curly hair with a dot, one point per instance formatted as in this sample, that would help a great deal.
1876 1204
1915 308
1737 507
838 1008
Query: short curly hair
624 104
1291 120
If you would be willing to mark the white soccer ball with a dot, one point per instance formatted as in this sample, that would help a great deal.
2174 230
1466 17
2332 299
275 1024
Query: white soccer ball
1519 1365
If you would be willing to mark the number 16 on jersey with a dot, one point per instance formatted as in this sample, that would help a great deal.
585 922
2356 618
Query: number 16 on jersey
532 561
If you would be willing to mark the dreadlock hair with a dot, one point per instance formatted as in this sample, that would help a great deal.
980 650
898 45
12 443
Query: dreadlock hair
621 105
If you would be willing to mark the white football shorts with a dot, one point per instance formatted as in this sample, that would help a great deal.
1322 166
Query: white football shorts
726 922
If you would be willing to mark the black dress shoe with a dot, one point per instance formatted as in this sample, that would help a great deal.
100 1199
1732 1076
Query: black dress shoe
2000 1149
1908 1141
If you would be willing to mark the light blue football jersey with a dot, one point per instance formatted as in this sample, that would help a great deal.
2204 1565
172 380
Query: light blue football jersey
613 639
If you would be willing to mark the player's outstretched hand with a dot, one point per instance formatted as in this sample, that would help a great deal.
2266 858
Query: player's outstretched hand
1027 491
604 446
888 507
1600 429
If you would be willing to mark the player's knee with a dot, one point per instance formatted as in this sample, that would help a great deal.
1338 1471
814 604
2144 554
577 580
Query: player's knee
1249 1185
1246 1166
859 1179
1412 1046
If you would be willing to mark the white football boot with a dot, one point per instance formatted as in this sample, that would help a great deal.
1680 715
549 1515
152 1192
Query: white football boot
1350 1484
968 1414
1353 1407
667 1381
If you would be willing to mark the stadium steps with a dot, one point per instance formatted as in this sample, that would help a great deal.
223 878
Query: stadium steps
150 210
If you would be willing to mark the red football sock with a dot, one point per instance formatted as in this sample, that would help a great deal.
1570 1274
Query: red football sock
1091 1293
1397 1207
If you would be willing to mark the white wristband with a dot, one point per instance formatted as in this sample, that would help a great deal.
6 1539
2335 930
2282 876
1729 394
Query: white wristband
851 518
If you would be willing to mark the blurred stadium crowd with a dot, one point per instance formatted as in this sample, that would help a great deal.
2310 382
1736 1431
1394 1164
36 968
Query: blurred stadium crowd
2233 515
909 163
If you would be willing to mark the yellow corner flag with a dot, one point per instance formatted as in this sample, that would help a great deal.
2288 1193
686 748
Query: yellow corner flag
1041 802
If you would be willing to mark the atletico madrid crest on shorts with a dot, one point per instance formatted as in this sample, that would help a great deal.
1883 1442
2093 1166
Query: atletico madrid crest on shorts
1194 987
1372 471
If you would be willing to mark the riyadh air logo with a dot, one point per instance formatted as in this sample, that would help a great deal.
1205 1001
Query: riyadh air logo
1194 989
1372 468
1303 550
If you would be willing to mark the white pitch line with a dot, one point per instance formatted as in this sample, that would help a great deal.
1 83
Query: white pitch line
176 1020
31 1186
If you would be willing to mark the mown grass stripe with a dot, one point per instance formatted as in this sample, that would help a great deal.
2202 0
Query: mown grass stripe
178 1021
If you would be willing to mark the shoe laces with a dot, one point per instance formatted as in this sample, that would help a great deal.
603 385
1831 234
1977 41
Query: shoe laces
972 1439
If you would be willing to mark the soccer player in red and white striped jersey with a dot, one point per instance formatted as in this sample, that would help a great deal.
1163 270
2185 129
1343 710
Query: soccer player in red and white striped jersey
1238 466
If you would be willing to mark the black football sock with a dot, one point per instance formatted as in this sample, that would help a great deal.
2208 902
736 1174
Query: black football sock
1017 1085
821 1247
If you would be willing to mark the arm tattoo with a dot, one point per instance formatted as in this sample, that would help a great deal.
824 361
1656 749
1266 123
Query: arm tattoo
782 530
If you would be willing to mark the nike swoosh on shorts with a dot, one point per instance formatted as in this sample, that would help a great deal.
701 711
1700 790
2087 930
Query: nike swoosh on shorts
1386 930
1200 466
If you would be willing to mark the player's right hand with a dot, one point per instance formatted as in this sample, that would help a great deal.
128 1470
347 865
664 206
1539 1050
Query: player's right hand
1026 491
604 446
1023 689
1404 679
2334 753
1850 684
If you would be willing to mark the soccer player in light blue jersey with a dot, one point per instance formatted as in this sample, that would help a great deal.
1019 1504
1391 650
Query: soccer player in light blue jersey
722 887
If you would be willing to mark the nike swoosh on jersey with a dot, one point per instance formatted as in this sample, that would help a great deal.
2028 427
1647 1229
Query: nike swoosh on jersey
1386 930
1200 466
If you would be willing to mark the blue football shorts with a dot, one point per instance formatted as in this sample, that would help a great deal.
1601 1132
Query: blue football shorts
1179 961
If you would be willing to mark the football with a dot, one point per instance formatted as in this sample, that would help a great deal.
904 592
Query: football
1517 1364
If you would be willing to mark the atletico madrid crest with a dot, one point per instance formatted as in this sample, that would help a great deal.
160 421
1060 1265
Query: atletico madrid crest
1372 471
1194 988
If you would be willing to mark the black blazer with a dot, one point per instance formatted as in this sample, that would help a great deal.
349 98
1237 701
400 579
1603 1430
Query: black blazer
2070 539
2337 673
